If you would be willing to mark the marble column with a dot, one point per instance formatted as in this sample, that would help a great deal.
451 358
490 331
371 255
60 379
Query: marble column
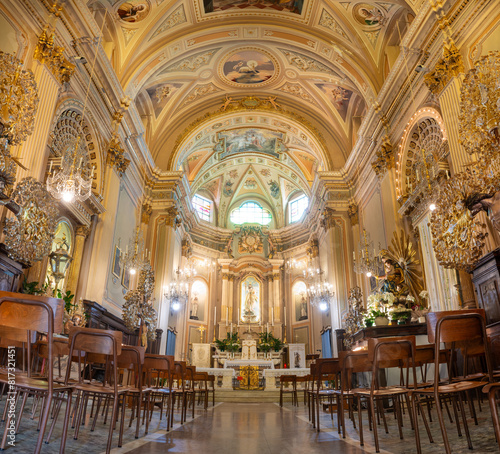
33 153
81 234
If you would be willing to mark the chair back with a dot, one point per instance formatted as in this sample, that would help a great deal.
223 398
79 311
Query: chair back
388 352
352 363
131 359
452 327
95 342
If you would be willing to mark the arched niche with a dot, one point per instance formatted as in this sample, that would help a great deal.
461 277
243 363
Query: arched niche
251 293
299 297
64 235
422 152
69 124
198 304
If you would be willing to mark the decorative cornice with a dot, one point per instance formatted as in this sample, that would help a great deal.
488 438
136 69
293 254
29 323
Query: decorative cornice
384 158
353 213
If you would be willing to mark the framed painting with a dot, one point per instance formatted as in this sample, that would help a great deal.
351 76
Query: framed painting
117 263
126 277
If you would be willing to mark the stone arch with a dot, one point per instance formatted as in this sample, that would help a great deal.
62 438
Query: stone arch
68 124
421 152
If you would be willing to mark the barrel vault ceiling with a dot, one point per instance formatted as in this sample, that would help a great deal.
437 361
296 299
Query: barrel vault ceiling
314 65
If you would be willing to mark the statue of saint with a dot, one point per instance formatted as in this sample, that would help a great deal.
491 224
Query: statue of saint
303 308
394 280
194 308
250 300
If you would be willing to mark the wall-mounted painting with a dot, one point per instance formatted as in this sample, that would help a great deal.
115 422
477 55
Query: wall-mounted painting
250 140
370 15
117 263
248 67
290 6
133 11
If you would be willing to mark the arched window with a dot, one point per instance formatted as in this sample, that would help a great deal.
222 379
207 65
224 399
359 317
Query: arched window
297 208
251 212
203 207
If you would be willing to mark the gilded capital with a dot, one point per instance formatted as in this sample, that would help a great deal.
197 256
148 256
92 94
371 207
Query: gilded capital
116 156
384 159
82 230
449 66
147 210
327 221
353 213
172 218
46 52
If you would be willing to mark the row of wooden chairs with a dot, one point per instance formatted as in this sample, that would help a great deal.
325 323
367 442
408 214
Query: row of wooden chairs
130 375
334 380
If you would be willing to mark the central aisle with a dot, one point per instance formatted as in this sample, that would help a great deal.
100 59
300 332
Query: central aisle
259 428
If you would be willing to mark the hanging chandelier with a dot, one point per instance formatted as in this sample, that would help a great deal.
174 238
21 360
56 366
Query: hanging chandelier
70 182
136 258
177 293
368 261
320 294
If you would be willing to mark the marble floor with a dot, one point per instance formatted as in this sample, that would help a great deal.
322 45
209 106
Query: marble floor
257 428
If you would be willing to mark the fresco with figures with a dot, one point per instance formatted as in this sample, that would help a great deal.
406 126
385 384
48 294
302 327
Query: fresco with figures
291 6
250 140
248 67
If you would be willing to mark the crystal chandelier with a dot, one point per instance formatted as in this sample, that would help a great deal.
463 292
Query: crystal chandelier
70 183
320 294
177 293
368 261
136 257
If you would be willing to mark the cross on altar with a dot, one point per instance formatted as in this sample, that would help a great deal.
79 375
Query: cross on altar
201 329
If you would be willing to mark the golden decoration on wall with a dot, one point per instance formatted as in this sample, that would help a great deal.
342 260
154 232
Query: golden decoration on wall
450 65
138 310
479 118
250 241
50 54
29 235
458 236
353 213
18 100
116 156
404 256
384 158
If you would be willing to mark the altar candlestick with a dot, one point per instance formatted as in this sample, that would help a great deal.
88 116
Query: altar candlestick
267 327
284 314
353 255
238 316
227 315
215 315
231 328
272 316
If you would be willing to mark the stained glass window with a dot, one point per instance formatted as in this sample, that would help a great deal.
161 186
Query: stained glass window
251 212
297 208
202 206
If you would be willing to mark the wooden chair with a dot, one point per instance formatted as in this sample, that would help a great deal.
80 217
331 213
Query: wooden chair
33 313
350 363
159 370
492 389
386 353
451 327
131 359
285 382
211 387
108 344
326 371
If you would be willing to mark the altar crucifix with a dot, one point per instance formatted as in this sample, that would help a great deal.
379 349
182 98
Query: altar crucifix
201 329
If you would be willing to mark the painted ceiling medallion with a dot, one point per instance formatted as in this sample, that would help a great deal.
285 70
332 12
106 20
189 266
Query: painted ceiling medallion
369 15
133 11
248 67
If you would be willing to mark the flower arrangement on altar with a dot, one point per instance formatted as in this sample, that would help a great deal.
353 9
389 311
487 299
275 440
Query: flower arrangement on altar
231 343
268 341
379 304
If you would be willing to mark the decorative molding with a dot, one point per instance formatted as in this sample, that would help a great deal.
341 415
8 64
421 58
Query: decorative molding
193 62
327 20
115 156
384 159
353 213
327 220
305 63
298 91
146 212
200 91
177 17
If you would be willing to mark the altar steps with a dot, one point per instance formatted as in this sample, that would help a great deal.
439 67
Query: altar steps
236 396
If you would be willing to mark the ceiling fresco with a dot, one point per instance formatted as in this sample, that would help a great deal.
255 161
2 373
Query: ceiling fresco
252 97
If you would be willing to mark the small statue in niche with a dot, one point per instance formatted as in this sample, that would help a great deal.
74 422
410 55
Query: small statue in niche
303 308
194 308
296 362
